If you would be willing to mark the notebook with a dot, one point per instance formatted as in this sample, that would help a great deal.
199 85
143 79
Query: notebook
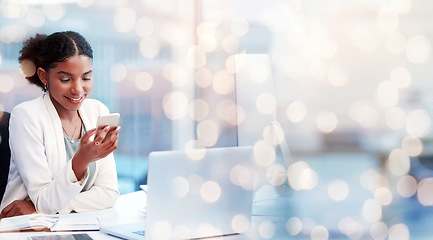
195 194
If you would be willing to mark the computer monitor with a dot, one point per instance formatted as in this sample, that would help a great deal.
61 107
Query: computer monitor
258 126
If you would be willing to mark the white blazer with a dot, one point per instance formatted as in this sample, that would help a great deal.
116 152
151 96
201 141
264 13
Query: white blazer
39 170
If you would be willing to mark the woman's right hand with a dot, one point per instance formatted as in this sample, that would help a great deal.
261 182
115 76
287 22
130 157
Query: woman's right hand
90 151
18 207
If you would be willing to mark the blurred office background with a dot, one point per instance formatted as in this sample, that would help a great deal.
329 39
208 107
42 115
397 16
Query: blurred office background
349 81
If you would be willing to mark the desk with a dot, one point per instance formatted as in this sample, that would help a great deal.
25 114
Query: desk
128 209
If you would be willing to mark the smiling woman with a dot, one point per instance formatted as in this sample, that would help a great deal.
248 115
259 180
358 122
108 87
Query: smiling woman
55 166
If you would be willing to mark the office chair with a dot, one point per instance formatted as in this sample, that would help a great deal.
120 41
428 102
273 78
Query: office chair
5 152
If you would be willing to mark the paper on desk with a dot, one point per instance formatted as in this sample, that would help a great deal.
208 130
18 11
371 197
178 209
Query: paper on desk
27 222
76 222
53 222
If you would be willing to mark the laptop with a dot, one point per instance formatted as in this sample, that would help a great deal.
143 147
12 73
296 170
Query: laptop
197 193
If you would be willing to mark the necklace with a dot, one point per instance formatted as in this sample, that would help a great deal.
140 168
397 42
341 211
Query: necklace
71 136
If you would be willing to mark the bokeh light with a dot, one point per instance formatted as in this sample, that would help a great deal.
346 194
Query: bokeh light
418 123
351 228
54 12
210 191
144 27
143 81
27 67
398 162
425 195
223 83
264 153
274 134
276 175
383 196
399 231
161 230
418 49
294 226
406 186
176 74
124 19
327 122
207 132
181 232
203 77
196 57
240 223
12 10
338 190
362 113
370 179
84 3
301 176
266 229
149 47
371 210
35 17
387 94
379 231
180 187
195 150
231 113
242 176
412 145
198 109
175 105
6 83
266 103
208 42
296 111
118 72
319 233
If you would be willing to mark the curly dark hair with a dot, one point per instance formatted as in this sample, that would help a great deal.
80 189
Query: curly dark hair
45 51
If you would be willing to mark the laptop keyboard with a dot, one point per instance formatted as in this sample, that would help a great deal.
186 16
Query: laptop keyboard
141 233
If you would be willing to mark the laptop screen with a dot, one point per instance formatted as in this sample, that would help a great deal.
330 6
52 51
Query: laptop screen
199 193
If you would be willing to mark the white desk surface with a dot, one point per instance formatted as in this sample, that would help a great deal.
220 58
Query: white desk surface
128 209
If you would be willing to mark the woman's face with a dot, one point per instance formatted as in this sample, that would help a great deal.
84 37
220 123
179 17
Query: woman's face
69 82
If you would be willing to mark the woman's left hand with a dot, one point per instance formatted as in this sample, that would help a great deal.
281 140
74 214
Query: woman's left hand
18 207
104 143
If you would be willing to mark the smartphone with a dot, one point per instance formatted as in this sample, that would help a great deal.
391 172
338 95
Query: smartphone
111 120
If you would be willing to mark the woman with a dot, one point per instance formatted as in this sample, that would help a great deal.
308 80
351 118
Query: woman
58 164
